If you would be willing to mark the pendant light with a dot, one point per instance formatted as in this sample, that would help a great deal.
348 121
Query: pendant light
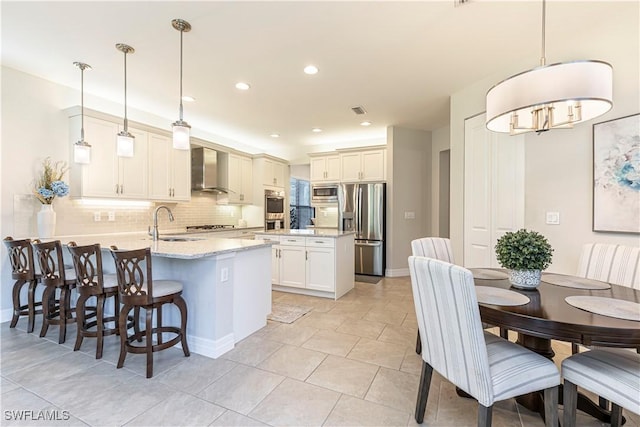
181 129
550 96
125 139
82 149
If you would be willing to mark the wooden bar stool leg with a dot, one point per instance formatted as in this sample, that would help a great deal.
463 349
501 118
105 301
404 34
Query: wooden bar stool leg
123 334
159 323
65 301
47 295
99 325
16 302
136 323
81 321
31 305
149 343
182 305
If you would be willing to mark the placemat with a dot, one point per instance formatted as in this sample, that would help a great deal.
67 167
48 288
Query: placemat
574 282
499 296
610 307
487 273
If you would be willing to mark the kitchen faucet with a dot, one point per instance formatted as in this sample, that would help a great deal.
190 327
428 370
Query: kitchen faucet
154 233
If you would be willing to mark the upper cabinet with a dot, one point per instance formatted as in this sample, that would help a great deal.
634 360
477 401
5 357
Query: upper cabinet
273 173
325 168
366 165
238 171
169 170
109 175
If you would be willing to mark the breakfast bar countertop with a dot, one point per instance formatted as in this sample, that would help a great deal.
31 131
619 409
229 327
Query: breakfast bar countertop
316 232
175 246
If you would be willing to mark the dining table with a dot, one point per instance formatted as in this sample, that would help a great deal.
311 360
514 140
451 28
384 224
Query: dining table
564 308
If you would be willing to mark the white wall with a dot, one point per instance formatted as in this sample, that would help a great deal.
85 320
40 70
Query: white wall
558 163
439 143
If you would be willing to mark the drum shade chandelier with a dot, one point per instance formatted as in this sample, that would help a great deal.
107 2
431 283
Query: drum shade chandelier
82 149
125 140
181 129
550 96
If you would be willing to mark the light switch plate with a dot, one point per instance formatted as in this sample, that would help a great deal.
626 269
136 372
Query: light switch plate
97 217
112 216
409 215
553 218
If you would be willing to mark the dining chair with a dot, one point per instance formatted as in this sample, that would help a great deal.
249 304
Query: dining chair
616 264
613 374
137 289
55 277
23 272
485 366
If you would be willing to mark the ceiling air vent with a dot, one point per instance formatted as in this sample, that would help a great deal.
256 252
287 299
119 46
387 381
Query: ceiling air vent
358 110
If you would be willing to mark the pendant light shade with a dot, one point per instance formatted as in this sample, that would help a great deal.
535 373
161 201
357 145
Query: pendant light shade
82 149
550 96
181 129
124 140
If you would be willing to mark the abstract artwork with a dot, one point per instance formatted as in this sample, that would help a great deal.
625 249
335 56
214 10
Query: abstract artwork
616 175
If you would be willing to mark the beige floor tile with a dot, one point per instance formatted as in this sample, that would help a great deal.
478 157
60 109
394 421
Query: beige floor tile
412 363
322 320
241 389
331 342
179 409
394 389
292 334
252 350
401 305
399 335
194 376
349 310
294 403
379 353
7 385
234 419
162 361
351 411
390 317
293 362
362 328
344 375
56 369
23 408
29 354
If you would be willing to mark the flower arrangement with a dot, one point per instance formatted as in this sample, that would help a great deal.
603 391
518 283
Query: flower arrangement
523 250
49 184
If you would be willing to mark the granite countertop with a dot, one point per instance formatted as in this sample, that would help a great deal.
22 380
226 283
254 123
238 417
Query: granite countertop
186 247
322 232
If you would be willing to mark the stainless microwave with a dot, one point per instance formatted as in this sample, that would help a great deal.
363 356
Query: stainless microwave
324 193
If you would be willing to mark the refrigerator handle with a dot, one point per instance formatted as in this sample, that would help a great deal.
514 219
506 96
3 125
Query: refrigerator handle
359 210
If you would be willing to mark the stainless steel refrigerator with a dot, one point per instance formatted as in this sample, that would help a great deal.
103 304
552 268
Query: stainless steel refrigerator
361 209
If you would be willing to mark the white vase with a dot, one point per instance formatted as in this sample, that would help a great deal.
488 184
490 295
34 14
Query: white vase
46 221
525 279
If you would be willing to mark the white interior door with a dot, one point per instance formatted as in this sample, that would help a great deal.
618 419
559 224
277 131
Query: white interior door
493 190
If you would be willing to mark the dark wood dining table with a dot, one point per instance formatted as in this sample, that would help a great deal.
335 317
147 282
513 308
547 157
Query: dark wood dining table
548 317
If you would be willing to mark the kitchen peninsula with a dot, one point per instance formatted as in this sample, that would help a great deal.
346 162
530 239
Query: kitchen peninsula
226 283
317 262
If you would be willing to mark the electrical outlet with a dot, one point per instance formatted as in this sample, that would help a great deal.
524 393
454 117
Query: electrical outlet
112 216
97 217
224 274
409 215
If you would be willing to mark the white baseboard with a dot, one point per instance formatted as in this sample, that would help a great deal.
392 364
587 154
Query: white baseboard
210 348
397 272
6 315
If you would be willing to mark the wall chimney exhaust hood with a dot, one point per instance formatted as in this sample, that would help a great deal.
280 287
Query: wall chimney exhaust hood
204 171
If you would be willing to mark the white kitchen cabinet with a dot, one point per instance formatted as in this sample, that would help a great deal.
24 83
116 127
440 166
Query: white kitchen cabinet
367 165
325 168
237 176
169 170
109 175
273 173
321 262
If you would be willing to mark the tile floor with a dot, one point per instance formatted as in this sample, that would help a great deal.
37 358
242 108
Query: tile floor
346 363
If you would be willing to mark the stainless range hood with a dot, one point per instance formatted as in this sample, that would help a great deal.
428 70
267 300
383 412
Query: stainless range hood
205 170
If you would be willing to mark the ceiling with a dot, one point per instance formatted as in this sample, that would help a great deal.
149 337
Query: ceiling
398 60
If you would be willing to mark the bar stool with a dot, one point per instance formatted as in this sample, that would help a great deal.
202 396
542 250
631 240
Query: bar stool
23 272
138 290
91 282
54 277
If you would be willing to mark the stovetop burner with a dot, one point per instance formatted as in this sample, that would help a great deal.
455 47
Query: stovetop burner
209 227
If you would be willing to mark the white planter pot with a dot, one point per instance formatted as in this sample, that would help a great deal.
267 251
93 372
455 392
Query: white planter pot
46 222
525 279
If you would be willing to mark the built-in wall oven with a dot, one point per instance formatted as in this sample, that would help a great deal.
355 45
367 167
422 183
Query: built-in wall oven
273 210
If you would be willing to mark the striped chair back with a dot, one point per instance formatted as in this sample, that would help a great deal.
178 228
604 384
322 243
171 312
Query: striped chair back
449 321
616 264
433 247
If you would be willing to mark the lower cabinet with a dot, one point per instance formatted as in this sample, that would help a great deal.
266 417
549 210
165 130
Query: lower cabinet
307 265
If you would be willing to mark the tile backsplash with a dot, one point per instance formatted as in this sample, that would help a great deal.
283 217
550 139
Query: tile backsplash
74 217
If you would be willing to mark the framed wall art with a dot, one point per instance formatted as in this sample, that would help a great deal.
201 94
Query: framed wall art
616 175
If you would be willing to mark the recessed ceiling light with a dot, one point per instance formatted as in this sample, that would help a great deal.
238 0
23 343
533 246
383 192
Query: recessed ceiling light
365 123
275 135
187 98
242 86
316 130
311 69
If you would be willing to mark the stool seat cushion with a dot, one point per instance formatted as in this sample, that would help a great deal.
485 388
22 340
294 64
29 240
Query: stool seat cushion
515 370
613 374
110 282
163 288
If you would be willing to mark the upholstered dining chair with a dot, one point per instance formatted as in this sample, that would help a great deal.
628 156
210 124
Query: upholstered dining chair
92 283
487 367
55 277
137 290
23 272
616 264
613 374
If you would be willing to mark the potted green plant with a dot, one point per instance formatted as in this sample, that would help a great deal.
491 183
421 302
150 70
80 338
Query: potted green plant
526 253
